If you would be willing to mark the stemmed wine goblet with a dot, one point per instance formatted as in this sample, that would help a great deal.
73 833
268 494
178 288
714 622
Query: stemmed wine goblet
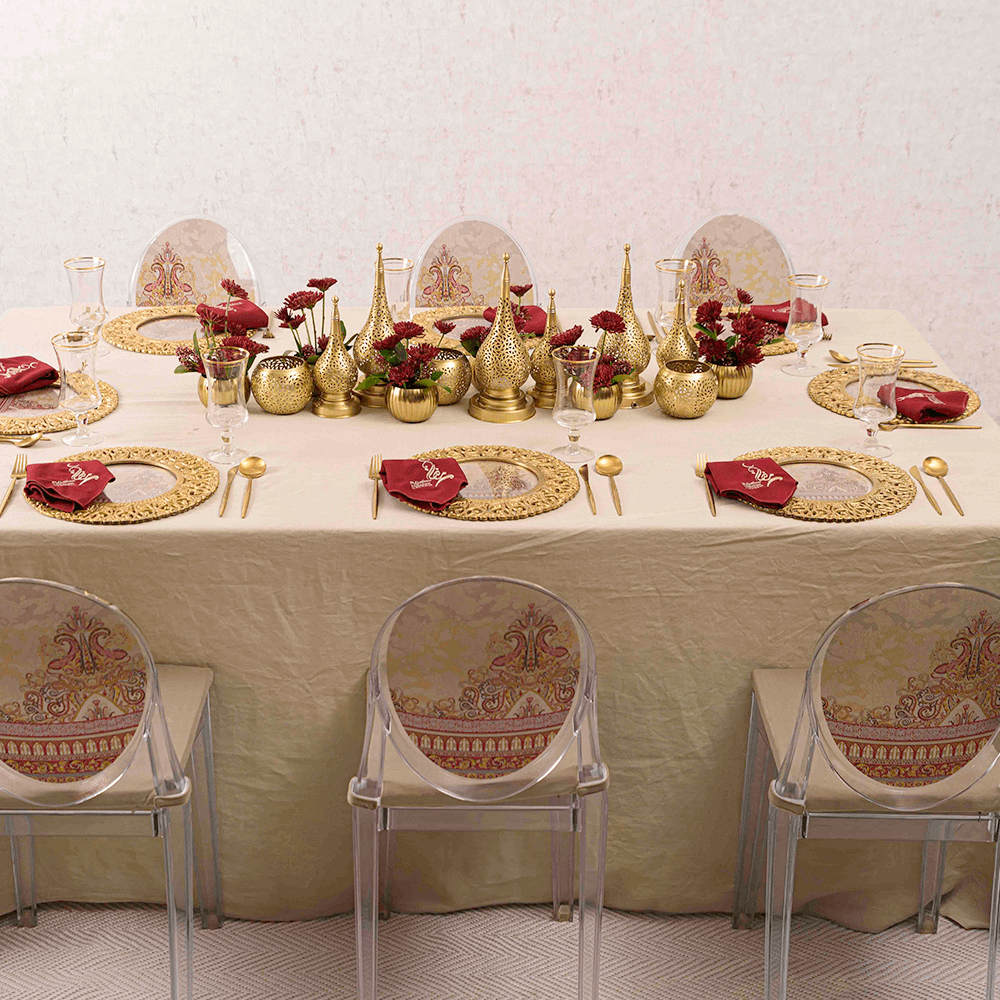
79 390
878 367
574 406
86 284
225 383
805 319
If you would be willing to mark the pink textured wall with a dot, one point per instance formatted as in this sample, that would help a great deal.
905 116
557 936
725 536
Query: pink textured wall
864 134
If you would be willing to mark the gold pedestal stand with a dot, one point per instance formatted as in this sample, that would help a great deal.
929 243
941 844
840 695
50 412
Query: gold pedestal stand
635 391
508 408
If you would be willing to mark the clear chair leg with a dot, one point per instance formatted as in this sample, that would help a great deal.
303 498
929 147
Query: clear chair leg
563 862
931 878
22 853
782 841
991 953
386 846
593 827
365 899
201 771
178 860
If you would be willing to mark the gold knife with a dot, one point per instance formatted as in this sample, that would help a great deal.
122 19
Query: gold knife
652 324
915 472
935 427
229 483
585 475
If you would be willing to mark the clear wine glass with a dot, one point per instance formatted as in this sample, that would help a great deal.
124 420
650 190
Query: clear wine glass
225 382
398 274
670 273
79 390
878 367
86 284
805 319
574 406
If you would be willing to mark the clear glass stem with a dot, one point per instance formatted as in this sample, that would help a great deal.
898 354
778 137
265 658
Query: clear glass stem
80 424
227 445
574 445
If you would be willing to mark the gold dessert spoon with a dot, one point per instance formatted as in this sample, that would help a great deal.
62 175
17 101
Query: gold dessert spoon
938 468
610 466
252 467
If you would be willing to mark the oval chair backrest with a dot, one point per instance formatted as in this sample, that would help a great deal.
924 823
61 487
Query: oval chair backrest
185 262
905 694
460 268
736 251
75 682
482 678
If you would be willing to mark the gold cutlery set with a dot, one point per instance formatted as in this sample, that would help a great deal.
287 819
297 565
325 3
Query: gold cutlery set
938 468
19 471
606 465
22 440
252 467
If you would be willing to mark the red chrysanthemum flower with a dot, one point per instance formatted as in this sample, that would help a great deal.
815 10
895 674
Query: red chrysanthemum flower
406 329
323 284
519 323
444 327
300 301
282 314
475 334
321 344
744 297
399 375
772 332
602 376
570 336
251 346
422 353
576 353
293 322
187 358
709 312
520 290
237 291
608 322
712 350
746 354
387 343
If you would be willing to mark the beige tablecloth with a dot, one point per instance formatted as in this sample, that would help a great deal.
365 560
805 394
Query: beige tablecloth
285 605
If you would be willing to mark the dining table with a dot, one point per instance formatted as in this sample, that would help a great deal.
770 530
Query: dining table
284 605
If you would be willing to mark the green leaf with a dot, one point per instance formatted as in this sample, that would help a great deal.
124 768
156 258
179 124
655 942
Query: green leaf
424 383
378 378
182 370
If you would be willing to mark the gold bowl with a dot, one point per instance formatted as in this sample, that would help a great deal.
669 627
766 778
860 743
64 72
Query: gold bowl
456 374
282 385
733 381
607 399
412 406
685 388
203 391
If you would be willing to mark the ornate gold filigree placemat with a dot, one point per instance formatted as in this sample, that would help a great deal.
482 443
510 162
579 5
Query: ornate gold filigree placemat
60 420
556 483
196 479
892 490
124 331
829 390
781 346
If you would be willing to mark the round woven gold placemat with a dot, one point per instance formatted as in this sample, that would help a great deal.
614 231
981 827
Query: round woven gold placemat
557 484
60 420
892 489
197 480
829 390
781 346
123 331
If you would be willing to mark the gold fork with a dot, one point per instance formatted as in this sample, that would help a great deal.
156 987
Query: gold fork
701 460
827 333
376 464
17 472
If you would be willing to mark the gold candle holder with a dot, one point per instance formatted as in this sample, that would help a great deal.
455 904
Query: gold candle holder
543 371
377 327
678 344
502 367
634 344
335 375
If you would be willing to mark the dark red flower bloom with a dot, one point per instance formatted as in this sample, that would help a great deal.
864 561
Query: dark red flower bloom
772 332
387 343
570 336
323 284
519 322
422 353
187 358
712 350
476 334
282 314
746 354
321 344
744 297
520 290
602 376
251 346
237 291
608 322
400 374
709 312
405 329
302 300
444 327
293 322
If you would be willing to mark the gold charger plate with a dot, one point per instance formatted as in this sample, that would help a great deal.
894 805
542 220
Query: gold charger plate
125 331
780 346
505 484
47 418
194 481
865 487
829 390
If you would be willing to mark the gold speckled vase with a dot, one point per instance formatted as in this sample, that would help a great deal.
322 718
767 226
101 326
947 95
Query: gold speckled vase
335 374
542 369
456 374
282 385
378 326
634 344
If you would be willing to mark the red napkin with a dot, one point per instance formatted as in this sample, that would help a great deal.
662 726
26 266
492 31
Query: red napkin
778 313
924 406
431 483
535 317
23 374
242 314
761 480
67 486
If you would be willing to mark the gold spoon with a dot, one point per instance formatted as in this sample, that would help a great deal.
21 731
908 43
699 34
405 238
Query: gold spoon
252 467
844 359
610 466
938 468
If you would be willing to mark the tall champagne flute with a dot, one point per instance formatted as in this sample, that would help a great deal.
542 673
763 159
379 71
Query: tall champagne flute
805 319
225 382
878 367
86 285
79 390
574 406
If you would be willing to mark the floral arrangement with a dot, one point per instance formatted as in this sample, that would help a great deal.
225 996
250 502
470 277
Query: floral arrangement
472 339
408 366
444 327
610 371
216 320
607 322
292 315
189 358
742 346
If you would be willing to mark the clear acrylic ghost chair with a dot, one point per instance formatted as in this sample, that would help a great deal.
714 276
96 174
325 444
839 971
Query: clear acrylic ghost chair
902 700
459 267
93 739
185 262
482 716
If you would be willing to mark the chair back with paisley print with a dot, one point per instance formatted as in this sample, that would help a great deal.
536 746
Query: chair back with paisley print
735 251
903 694
482 679
459 268
184 264
77 690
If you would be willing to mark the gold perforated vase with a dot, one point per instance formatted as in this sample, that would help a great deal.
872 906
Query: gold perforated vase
685 388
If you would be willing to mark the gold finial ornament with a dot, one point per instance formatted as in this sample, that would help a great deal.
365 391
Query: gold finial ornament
335 374
543 371
502 366
678 344
632 346
377 327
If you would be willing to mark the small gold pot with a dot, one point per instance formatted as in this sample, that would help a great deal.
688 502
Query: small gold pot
685 388
607 399
456 375
733 381
203 390
282 385
412 406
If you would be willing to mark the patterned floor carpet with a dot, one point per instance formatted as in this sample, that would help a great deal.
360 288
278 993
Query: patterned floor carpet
81 952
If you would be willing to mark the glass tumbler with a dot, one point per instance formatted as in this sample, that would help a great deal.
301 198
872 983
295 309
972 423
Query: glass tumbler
225 383
805 319
878 368
574 406
670 273
398 272
86 285
79 390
